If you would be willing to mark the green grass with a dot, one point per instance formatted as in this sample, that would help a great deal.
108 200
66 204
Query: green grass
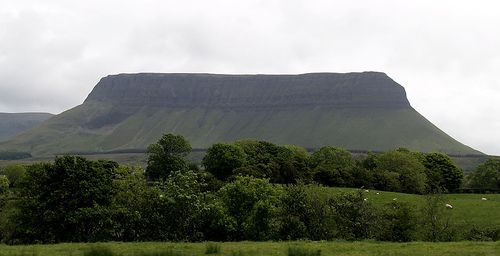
212 248
302 251
467 208
337 248
351 128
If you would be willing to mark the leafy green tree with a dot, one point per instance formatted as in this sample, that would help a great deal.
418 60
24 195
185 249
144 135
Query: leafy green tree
386 180
435 220
260 159
304 214
486 176
292 165
332 166
258 152
13 172
252 203
442 173
355 217
65 201
411 171
4 186
167 156
397 222
221 159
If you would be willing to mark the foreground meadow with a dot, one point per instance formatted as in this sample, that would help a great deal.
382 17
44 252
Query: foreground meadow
338 248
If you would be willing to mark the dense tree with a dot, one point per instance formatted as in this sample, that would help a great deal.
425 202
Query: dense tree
332 166
13 172
442 173
434 218
251 202
65 201
292 162
411 172
305 214
486 176
258 152
221 159
355 217
397 222
167 156
4 186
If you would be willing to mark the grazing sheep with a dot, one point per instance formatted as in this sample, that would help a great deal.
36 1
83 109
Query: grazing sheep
394 199
448 206
484 199
378 193
366 190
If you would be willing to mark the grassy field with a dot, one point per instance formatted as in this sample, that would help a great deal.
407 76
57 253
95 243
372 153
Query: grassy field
467 208
338 248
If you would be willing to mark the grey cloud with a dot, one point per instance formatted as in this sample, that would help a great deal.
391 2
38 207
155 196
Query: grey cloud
444 52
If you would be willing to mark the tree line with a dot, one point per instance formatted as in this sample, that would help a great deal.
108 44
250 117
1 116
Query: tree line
247 190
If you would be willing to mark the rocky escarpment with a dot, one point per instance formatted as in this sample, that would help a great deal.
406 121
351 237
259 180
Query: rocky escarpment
351 90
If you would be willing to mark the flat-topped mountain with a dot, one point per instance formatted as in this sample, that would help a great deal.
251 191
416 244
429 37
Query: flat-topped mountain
358 90
12 124
364 111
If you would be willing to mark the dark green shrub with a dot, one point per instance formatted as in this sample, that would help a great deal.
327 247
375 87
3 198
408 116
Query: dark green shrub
435 220
483 234
397 222
252 203
355 217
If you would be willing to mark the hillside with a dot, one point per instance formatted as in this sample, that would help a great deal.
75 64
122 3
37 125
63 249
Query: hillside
367 111
12 124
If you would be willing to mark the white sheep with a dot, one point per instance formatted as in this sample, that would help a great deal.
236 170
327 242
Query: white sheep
394 199
449 206
484 199
366 190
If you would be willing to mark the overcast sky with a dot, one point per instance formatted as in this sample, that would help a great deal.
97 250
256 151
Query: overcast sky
445 53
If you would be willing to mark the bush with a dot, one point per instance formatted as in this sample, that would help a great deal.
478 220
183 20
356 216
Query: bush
435 223
397 222
483 234
68 200
354 216
251 202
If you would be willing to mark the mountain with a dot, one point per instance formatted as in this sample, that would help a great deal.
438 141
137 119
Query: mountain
12 124
357 111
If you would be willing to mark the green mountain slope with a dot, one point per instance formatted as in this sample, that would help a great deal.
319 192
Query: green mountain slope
12 124
364 111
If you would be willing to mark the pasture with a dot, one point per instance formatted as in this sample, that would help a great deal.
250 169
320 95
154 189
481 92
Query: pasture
337 248
467 208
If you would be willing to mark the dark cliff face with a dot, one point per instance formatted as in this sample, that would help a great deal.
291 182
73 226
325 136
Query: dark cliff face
350 90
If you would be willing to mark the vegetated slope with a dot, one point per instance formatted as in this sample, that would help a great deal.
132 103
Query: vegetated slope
12 124
367 111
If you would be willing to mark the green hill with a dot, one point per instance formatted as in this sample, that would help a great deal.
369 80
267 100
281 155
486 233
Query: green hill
358 111
12 124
